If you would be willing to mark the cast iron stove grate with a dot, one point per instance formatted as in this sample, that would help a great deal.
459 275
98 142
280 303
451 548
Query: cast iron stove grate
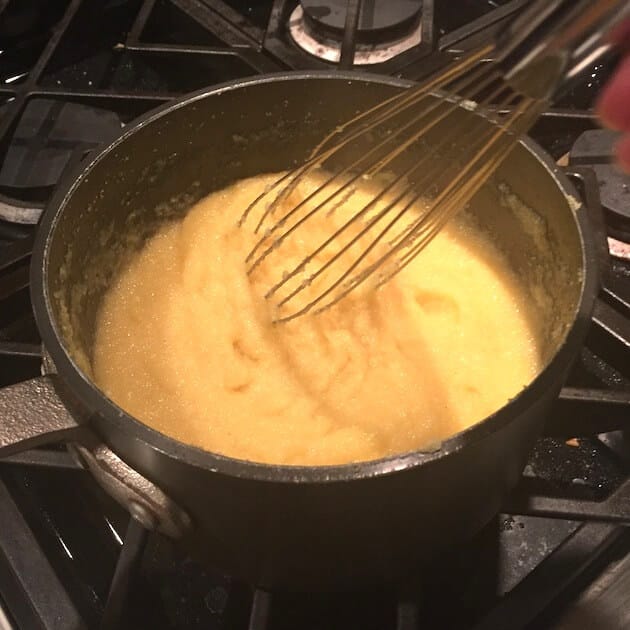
71 74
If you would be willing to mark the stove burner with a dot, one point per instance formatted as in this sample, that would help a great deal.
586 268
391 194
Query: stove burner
384 29
619 249
378 21
50 136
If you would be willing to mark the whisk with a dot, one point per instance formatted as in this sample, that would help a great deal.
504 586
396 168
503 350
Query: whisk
382 185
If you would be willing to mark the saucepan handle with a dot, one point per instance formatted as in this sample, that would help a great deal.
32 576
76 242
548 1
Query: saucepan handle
32 414
589 189
600 410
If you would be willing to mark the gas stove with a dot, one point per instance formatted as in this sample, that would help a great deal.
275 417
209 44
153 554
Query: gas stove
72 74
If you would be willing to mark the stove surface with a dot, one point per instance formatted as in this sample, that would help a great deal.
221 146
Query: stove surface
72 74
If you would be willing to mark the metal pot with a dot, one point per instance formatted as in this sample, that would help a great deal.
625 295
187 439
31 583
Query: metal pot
286 526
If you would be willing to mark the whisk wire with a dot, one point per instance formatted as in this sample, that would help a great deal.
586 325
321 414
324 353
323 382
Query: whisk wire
341 252
414 198
402 101
408 203
395 247
368 172
464 193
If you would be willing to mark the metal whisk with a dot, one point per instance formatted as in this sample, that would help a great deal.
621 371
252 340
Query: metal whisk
381 186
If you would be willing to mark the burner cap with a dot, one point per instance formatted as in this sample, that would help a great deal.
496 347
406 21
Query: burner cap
379 22
595 149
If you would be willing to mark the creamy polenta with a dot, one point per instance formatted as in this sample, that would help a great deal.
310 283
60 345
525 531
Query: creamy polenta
186 344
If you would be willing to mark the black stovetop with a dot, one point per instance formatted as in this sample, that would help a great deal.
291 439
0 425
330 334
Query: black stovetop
72 73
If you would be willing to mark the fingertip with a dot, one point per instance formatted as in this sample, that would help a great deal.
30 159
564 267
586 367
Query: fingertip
622 152
621 34
613 105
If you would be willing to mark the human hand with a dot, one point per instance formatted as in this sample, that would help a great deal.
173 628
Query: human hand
614 103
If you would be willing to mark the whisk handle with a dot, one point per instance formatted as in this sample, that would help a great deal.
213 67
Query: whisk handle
552 41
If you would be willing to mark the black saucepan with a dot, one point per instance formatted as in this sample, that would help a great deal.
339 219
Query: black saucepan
286 526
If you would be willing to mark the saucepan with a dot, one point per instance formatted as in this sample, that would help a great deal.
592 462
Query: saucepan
284 526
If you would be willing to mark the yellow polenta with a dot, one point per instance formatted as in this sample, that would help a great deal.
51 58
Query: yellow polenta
185 343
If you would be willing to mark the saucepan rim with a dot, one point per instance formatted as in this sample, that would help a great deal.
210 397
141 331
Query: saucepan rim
97 403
